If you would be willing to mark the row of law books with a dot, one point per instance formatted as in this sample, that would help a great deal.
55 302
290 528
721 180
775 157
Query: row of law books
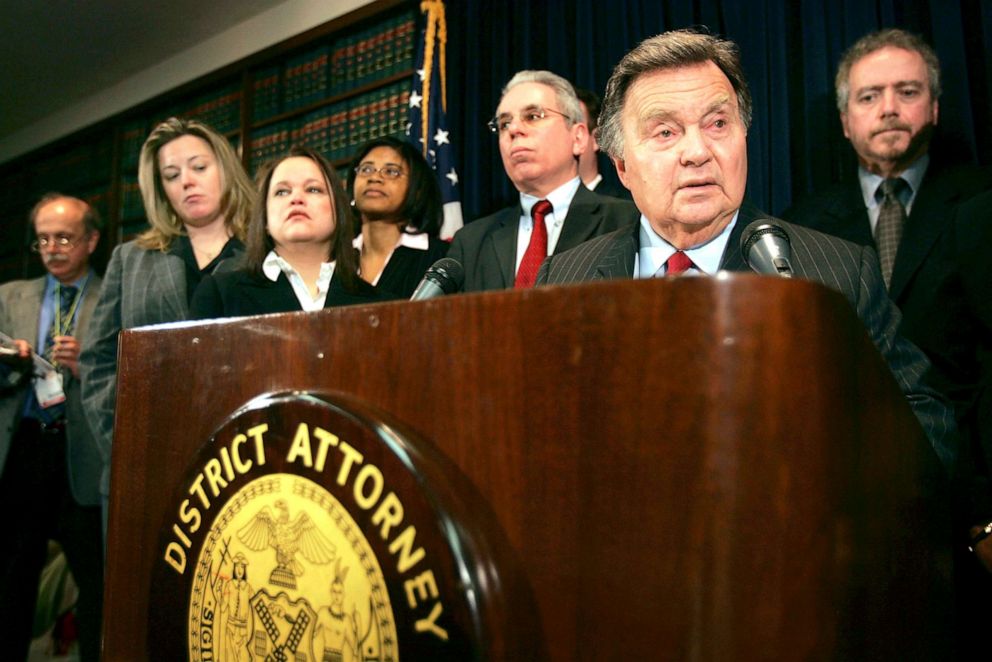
220 108
334 69
336 130
373 54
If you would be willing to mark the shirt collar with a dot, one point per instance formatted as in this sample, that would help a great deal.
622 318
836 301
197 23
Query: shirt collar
595 181
913 176
419 241
560 199
654 251
79 283
275 265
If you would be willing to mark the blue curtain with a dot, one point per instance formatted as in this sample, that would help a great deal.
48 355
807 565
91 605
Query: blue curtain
789 50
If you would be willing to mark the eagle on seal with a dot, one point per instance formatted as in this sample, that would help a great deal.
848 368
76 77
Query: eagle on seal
287 538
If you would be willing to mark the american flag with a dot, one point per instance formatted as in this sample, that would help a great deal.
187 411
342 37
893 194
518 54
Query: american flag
428 127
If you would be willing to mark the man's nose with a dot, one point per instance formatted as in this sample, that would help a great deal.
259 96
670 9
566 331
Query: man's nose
890 105
695 149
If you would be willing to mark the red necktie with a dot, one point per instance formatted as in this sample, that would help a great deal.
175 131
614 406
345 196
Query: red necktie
678 263
537 249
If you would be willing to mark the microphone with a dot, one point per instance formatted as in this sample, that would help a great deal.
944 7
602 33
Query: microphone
444 277
766 248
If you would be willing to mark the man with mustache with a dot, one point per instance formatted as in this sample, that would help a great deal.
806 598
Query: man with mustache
49 464
541 133
903 203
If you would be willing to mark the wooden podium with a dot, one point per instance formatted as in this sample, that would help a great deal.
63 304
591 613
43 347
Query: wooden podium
685 469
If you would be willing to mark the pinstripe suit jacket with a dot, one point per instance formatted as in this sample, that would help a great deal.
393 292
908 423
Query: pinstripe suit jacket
141 287
841 265
487 247
20 309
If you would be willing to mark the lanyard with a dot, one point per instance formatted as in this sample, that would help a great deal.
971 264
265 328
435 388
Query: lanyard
60 326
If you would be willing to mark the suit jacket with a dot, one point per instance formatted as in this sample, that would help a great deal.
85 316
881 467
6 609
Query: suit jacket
487 247
241 293
923 262
971 242
407 266
140 287
20 308
611 190
848 268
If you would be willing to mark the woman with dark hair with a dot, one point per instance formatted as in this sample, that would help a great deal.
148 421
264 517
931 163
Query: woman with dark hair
298 254
398 203
198 199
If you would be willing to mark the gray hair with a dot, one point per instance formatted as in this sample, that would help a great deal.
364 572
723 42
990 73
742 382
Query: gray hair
91 218
876 41
564 92
669 50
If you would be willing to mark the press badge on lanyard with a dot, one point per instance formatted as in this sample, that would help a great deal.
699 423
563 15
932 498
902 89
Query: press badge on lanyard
48 384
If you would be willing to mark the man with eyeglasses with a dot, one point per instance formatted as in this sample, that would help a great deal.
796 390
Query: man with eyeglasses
49 464
542 133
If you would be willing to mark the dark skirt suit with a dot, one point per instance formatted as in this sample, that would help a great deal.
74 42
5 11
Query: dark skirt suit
242 293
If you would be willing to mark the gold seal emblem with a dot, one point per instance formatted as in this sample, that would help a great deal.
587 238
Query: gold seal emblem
285 573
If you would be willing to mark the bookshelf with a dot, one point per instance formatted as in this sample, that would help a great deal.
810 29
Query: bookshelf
330 88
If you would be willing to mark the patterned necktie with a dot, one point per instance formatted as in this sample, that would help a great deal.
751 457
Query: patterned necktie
537 249
62 323
678 263
888 230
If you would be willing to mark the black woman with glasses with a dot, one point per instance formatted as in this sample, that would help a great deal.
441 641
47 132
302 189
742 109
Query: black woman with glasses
397 203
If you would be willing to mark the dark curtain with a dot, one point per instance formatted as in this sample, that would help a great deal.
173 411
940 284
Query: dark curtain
789 50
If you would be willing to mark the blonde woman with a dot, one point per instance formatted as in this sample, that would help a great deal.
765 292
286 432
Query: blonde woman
198 200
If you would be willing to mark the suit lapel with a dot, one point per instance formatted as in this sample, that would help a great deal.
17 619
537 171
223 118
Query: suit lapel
923 228
504 242
847 217
169 274
732 259
617 261
25 310
90 297
584 217
265 296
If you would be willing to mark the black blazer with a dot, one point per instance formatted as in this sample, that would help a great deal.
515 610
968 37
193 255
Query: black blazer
487 247
848 268
922 264
971 241
407 266
241 293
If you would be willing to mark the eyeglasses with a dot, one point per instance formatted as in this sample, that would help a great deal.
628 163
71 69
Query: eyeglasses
62 241
529 117
387 171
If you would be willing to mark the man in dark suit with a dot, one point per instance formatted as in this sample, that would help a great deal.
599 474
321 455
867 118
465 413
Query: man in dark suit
592 178
675 122
50 463
888 86
541 134
888 89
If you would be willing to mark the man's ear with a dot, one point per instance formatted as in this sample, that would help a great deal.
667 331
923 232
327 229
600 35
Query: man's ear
843 123
580 138
621 167
92 241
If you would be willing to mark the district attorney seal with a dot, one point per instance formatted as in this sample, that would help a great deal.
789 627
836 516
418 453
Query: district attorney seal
309 529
